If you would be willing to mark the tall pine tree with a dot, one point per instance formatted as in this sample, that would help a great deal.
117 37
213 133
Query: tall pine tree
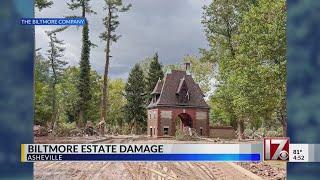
111 23
135 109
55 52
41 4
84 86
154 74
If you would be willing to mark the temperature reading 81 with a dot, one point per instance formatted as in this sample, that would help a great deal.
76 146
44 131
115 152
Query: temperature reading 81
297 151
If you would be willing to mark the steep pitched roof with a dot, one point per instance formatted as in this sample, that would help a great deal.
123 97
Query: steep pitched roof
181 83
157 88
171 84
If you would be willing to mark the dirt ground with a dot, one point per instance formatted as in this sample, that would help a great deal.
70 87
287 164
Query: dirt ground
150 170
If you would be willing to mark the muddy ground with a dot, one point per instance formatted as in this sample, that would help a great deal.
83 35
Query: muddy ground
151 170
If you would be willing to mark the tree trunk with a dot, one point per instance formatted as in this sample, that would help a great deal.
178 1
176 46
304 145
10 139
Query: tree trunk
284 125
81 122
240 129
132 126
54 110
137 130
104 99
54 81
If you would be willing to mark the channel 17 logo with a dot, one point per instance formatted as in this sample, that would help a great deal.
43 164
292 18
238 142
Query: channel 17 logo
276 149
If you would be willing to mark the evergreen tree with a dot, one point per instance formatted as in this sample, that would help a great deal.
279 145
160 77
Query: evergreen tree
84 85
135 109
111 23
55 52
41 4
42 105
154 74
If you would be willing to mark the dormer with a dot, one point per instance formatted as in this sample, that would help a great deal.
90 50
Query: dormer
183 93
155 94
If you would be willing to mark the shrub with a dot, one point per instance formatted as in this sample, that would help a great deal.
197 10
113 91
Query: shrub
179 135
64 129
272 134
248 133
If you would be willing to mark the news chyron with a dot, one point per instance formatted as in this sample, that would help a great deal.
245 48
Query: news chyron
276 149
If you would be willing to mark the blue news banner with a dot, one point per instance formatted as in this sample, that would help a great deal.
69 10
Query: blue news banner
53 21
141 152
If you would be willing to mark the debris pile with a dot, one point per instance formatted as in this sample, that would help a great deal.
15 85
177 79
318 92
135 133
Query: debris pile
76 133
187 134
39 131
89 128
265 170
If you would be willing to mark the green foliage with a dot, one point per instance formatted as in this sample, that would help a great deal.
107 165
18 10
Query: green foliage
248 133
41 4
42 91
154 74
262 55
111 23
81 4
135 109
55 52
145 64
179 135
65 129
222 109
84 84
94 103
116 104
247 41
57 65
68 95
170 67
221 20
202 72
67 98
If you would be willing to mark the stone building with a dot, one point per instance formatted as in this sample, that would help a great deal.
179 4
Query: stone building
177 102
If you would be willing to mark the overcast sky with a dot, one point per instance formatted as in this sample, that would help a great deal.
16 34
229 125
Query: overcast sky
170 27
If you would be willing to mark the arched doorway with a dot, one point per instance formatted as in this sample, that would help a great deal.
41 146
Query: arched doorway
183 120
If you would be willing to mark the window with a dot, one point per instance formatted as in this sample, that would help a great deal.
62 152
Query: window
201 131
154 114
166 131
150 131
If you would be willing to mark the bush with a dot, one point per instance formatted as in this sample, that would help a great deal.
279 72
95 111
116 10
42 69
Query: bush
248 133
179 135
272 134
64 129
186 134
280 131
260 133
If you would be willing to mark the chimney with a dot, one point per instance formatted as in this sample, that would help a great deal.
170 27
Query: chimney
187 66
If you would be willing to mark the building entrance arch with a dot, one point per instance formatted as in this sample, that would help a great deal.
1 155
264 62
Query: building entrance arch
184 120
